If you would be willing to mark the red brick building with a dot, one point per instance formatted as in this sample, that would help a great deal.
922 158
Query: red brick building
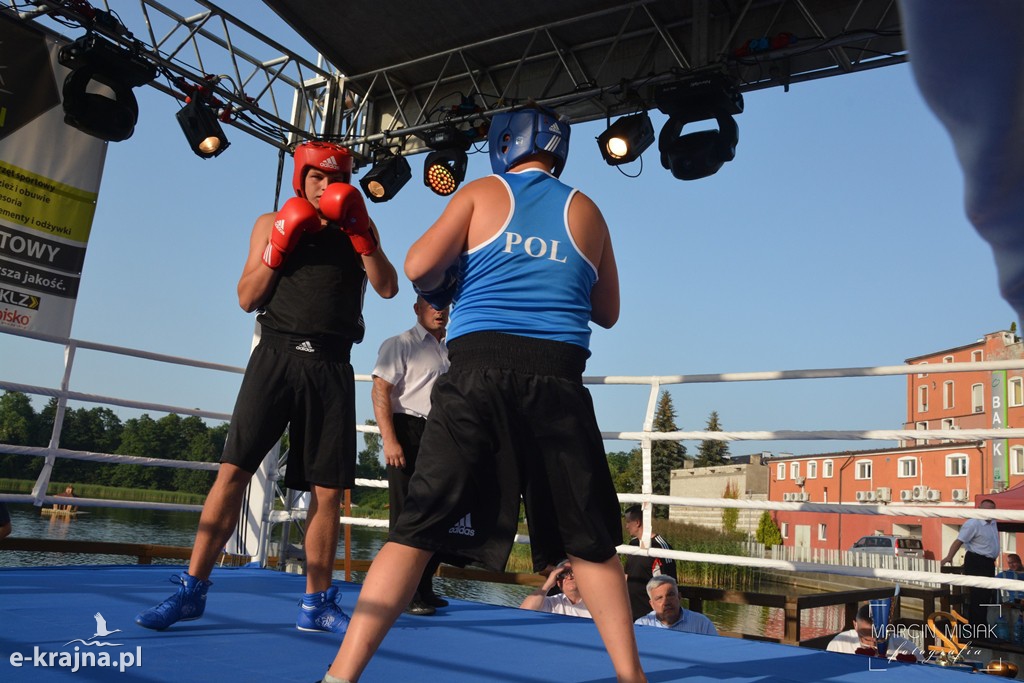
924 472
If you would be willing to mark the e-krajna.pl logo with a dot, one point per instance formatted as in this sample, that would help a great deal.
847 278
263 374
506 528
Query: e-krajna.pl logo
81 657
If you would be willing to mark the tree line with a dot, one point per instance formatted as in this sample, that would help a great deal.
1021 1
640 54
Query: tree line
173 437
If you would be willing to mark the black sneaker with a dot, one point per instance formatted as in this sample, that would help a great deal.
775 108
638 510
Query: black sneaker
420 609
435 601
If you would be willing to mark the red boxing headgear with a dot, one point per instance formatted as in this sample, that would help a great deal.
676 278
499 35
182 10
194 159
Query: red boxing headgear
327 157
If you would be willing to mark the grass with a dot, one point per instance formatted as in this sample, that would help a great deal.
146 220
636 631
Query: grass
105 492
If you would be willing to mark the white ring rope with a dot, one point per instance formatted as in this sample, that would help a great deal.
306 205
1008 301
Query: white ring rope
891 574
968 435
820 373
844 508
110 400
109 458
98 502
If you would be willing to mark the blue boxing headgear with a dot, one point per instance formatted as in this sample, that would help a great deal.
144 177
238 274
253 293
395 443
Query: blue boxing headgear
520 133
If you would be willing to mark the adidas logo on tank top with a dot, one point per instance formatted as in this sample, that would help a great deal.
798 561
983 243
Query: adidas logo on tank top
463 527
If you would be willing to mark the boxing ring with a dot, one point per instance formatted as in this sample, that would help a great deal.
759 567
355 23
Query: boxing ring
247 633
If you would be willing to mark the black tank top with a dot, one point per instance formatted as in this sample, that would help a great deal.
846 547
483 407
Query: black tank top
320 292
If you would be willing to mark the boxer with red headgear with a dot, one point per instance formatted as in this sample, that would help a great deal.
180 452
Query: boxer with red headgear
306 272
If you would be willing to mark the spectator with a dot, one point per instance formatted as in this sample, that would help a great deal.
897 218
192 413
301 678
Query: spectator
861 639
980 540
639 568
5 521
1013 571
569 601
667 612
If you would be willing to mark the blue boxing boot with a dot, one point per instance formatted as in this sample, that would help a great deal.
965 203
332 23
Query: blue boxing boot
187 604
321 612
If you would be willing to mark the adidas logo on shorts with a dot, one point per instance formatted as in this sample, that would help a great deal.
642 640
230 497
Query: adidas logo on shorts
305 346
463 527
330 163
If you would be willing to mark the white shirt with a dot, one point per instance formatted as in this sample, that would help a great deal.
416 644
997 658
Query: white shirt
560 604
848 642
980 536
410 362
689 621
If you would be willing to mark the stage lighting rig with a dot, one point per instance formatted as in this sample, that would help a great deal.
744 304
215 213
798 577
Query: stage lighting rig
389 174
94 59
699 97
445 168
201 126
626 139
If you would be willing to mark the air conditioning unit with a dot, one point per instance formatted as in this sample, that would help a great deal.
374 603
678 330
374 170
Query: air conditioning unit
800 481
865 496
860 496
906 495
934 495
883 493
805 497
960 495
920 491
787 497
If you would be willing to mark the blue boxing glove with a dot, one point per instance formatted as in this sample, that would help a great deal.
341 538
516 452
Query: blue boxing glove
440 297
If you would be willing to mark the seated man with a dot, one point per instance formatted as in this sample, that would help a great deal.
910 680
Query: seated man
861 640
667 612
1013 571
569 601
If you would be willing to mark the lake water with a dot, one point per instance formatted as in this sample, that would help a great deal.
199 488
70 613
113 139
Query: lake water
121 525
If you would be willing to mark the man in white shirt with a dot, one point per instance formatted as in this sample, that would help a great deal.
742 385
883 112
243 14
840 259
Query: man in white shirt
980 538
569 601
667 611
862 637
407 366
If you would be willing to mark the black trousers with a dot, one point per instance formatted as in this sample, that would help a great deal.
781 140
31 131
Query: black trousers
979 565
409 431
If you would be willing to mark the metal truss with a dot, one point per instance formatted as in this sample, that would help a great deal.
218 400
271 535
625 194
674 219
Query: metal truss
607 62
596 65
270 92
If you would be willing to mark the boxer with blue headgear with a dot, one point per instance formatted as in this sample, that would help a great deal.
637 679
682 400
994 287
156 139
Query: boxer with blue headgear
517 134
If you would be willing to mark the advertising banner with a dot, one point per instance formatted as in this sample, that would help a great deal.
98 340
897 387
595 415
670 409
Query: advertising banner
1000 471
49 182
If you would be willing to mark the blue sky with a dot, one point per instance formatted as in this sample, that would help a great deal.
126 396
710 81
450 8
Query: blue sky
835 239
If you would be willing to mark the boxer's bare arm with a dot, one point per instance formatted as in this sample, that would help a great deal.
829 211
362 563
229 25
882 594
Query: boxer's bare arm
257 280
590 232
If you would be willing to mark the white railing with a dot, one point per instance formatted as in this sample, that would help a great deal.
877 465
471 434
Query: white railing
646 437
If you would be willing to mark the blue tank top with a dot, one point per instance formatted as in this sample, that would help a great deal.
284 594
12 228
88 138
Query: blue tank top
530 279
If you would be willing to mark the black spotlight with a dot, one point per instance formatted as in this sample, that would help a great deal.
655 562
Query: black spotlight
699 97
201 127
445 167
697 155
95 60
386 178
626 139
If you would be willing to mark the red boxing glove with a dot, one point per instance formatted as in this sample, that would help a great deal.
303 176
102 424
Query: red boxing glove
295 217
342 204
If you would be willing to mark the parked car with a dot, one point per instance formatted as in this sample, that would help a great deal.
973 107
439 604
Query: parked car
903 546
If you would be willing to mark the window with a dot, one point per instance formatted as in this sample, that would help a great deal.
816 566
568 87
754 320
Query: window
922 374
863 469
780 471
822 529
785 529
977 356
922 399
947 423
921 426
947 359
812 469
956 465
794 469
978 398
826 469
907 467
947 394
1016 391
1017 460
